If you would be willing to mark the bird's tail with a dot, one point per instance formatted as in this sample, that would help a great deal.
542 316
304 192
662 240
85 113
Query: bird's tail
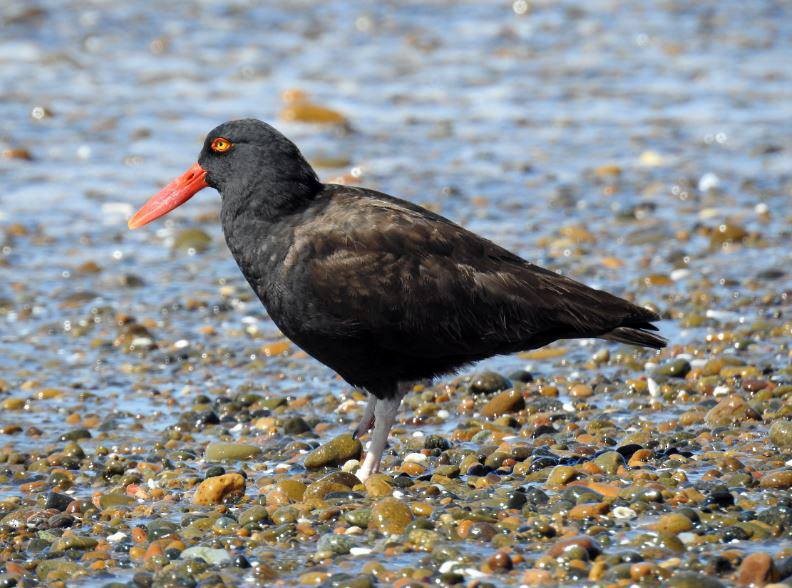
636 336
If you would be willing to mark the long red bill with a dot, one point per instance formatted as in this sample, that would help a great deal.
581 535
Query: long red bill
171 196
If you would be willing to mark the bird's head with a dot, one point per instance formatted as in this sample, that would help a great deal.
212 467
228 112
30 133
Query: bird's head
245 159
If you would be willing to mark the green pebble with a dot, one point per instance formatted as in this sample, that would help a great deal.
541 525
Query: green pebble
230 451
336 452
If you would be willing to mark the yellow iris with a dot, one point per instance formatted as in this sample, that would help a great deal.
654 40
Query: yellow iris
221 145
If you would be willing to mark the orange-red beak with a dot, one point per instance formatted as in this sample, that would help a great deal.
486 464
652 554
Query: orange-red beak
171 196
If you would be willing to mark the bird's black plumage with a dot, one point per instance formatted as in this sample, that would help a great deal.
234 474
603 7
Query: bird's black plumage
381 290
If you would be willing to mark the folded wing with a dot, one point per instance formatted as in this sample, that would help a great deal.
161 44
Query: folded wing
383 280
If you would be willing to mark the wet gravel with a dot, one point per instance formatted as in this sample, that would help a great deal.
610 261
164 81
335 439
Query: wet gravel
157 430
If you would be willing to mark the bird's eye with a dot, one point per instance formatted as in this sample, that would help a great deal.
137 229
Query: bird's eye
221 145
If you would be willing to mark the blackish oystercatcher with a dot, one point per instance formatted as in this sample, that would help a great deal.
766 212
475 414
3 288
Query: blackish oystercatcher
382 291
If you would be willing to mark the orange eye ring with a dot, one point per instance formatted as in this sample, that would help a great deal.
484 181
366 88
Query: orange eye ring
221 145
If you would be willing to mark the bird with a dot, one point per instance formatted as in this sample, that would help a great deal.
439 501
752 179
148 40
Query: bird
382 291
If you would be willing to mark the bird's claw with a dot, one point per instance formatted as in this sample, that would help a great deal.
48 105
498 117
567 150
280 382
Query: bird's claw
363 428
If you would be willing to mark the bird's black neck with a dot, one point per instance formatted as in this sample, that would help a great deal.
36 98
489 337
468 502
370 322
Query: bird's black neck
258 223
268 199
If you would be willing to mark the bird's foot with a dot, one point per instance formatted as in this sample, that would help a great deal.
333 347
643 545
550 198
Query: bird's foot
370 466
363 427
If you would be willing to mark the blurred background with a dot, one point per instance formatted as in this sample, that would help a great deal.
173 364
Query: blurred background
520 103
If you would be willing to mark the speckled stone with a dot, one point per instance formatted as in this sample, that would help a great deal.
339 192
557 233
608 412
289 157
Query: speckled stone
781 433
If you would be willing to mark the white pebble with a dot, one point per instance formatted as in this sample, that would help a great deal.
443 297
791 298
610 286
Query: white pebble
443 414
353 530
624 512
687 537
710 213
473 573
721 391
116 537
142 342
347 406
117 208
417 434
350 466
448 566
361 550
722 315
419 458
708 181
680 274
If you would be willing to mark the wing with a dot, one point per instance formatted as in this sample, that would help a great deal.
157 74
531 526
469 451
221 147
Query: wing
409 280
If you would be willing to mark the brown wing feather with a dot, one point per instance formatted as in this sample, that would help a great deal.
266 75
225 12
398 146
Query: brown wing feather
383 280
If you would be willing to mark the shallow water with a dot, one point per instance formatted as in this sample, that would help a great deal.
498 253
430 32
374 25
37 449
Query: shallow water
648 125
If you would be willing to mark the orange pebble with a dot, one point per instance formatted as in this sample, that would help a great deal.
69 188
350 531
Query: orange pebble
139 535
412 469
463 528
153 550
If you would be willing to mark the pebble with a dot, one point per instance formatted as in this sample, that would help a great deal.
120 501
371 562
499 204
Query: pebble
781 433
254 514
219 489
335 544
609 461
777 479
624 512
390 516
588 545
677 368
333 482
69 541
488 383
673 524
731 410
561 475
299 108
192 241
58 501
334 453
692 580
581 391
503 403
757 569
230 451
208 554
